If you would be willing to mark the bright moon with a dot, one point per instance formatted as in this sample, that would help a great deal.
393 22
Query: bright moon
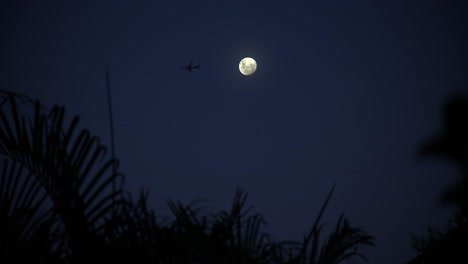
247 66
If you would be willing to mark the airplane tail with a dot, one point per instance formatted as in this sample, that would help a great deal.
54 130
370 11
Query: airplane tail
197 67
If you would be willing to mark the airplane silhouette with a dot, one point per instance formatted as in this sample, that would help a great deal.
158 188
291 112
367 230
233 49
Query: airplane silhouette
190 67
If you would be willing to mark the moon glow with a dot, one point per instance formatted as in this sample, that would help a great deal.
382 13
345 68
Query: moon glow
247 66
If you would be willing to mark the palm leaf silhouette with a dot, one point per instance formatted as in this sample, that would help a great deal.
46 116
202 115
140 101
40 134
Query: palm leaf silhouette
241 231
27 223
225 237
68 167
342 244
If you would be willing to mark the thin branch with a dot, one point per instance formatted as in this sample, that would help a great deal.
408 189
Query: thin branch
111 127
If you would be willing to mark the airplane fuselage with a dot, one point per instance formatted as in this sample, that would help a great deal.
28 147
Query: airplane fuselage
190 67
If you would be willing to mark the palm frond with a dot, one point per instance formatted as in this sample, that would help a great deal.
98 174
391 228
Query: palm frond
66 165
242 232
342 244
27 221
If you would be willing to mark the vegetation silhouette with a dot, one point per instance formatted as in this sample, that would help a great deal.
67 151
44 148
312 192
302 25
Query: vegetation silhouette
62 201
449 245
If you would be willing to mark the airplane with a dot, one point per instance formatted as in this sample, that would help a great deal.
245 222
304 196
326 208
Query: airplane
190 67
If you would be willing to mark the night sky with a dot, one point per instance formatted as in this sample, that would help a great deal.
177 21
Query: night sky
344 92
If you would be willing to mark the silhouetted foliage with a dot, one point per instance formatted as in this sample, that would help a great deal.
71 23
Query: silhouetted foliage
61 190
449 245
59 204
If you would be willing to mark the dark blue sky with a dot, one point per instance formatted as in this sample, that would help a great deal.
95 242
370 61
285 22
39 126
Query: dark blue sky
344 92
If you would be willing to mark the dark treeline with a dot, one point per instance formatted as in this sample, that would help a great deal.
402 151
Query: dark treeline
61 201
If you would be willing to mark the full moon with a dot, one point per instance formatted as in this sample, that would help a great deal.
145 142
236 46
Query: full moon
247 66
